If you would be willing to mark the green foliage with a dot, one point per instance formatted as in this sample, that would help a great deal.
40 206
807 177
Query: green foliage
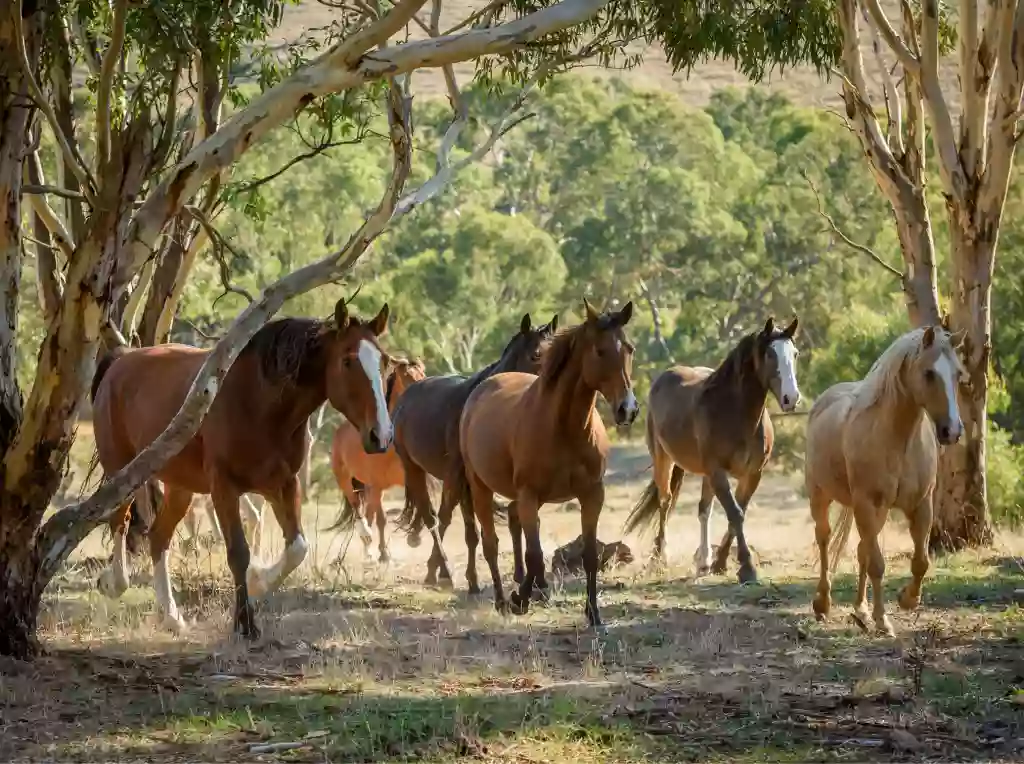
1004 467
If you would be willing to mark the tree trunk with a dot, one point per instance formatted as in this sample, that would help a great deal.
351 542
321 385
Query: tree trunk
962 518
20 600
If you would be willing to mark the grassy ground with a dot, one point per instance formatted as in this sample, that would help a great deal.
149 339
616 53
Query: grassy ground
360 663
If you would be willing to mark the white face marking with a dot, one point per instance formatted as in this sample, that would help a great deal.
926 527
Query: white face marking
618 346
789 390
369 357
948 373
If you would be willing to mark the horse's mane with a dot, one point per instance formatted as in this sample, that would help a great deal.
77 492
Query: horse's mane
290 350
884 377
560 347
389 386
493 367
735 366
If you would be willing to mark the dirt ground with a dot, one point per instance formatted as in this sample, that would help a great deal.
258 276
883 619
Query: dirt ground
360 662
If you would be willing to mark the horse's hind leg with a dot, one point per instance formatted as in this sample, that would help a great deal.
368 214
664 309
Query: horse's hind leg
920 529
114 580
820 502
702 557
437 568
663 469
527 507
375 509
176 503
870 521
472 541
483 508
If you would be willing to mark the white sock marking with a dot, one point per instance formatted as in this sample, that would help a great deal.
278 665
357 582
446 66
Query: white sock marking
262 581
165 596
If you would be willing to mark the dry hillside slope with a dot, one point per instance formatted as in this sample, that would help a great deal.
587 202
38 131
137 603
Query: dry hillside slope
802 85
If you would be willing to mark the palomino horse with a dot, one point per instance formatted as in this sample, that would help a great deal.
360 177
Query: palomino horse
539 439
871 446
375 472
253 439
427 435
714 423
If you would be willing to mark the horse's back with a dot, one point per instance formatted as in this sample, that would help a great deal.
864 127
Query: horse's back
672 404
425 417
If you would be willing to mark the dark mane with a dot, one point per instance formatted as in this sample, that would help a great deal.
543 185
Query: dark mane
493 367
290 350
389 386
736 365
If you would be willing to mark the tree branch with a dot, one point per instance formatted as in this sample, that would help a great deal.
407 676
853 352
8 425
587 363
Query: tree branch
864 250
108 68
344 66
907 58
42 188
219 244
73 161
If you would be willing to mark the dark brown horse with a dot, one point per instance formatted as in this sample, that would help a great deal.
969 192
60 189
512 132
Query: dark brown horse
714 423
375 473
427 435
540 439
253 439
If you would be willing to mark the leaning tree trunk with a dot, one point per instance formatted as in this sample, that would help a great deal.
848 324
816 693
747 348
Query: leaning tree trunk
962 518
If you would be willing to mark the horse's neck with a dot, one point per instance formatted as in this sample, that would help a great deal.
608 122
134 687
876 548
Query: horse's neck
748 396
899 414
293 407
571 400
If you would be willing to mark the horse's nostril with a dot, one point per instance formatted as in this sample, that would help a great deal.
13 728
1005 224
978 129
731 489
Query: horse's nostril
785 400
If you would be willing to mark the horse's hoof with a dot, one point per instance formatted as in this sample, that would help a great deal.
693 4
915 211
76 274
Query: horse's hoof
518 605
175 624
702 570
884 626
821 608
414 539
501 606
431 578
109 585
719 568
474 590
908 601
747 575
256 583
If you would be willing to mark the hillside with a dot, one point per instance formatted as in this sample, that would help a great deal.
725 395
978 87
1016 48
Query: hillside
802 85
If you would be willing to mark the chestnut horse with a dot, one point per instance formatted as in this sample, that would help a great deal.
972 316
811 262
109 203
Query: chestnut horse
539 440
873 445
714 423
253 440
427 436
375 472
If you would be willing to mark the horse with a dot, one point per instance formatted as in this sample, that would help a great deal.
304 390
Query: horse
873 445
714 423
253 439
427 435
539 440
375 473
251 516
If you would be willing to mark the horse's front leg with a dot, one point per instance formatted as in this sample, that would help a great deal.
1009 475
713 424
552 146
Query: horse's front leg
870 520
591 504
176 504
702 557
528 508
745 489
287 504
820 502
735 513
920 530
375 509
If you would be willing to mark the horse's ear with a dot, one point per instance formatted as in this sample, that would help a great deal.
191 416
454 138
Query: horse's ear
379 324
623 316
769 326
554 323
525 324
341 314
928 338
790 331
592 315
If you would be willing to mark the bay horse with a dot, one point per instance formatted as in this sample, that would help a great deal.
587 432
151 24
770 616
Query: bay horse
253 439
540 440
714 423
873 445
427 436
375 473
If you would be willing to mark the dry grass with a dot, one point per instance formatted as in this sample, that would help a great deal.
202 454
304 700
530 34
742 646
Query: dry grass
371 666
801 84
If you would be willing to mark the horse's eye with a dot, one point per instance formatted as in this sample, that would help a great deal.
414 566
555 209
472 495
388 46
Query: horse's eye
929 374
599 352
346 362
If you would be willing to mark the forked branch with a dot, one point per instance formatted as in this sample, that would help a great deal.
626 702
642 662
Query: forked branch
111 58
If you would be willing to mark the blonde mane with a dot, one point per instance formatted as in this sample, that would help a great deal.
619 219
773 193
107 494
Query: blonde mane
885 378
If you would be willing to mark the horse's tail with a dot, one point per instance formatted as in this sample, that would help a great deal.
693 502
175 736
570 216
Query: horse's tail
102 367
417 497
837 544
347 517
647 507
138 522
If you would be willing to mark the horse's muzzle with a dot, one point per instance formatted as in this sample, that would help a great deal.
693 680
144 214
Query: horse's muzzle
626 414
948 435
372 443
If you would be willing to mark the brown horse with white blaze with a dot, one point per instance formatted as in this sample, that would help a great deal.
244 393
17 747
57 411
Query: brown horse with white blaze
539 439
375 472
253 440
715 423
873 445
